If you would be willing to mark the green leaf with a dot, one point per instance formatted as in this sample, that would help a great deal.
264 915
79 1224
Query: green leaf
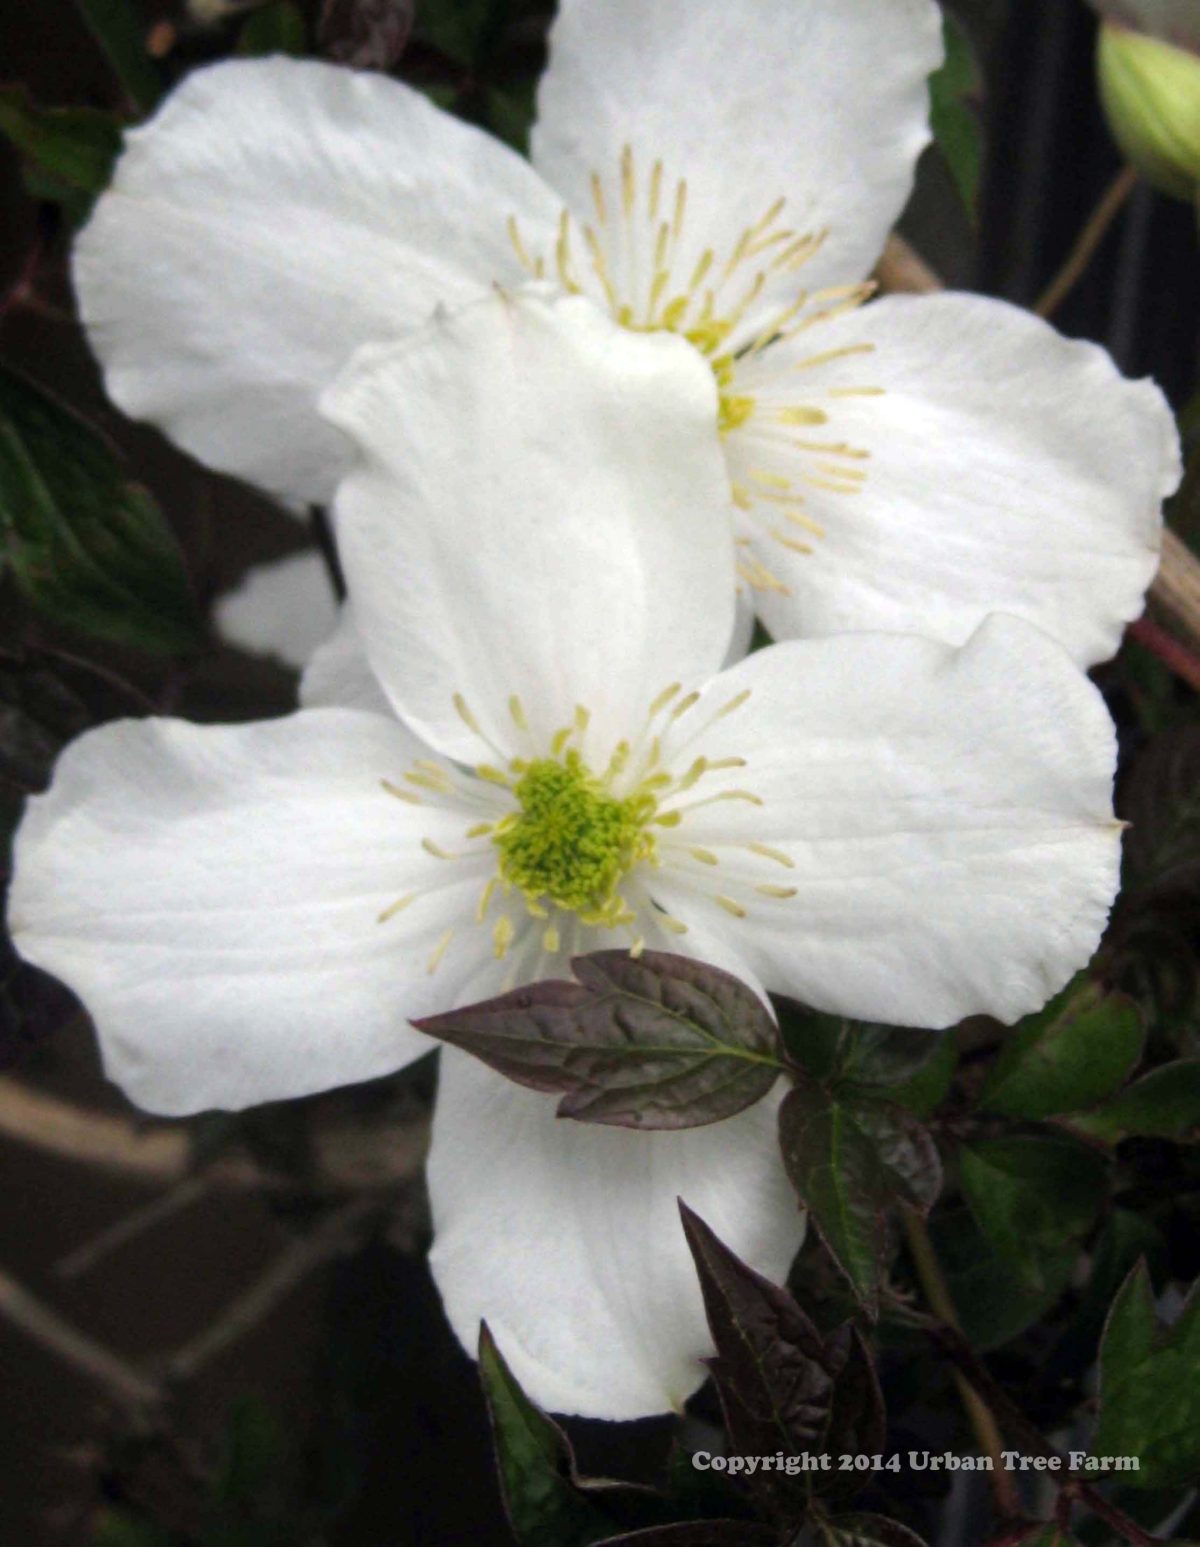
953 93
994 1305
120 30
275 28
775 1373
1164 1104
861 1530
367 34
537 1467
1072 1054
1030 1197
86 548
76 146
862 1053
929 1087
656 1041
851 1160
1123 1239
1149 1391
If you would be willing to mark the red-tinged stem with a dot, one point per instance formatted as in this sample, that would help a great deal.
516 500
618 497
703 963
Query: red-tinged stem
1168 649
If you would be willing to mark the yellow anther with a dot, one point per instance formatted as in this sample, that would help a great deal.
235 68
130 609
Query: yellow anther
481 829
776 891
735 908
694 774
671 924
628 183
493 775
426 781
502 936
436 850
465 715
405 795
777 855
397 907
638 946
705 856
485 898
801 414
517 710
439 951
664 698
733 705
684 704
550 940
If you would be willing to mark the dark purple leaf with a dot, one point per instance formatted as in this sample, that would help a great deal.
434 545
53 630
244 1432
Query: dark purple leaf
857 1418
366 34
775 1373
656 1041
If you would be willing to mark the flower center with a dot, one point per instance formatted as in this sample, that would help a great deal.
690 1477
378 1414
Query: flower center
570 843
735 304
558 843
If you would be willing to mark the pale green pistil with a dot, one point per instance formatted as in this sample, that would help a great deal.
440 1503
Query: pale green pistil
571 842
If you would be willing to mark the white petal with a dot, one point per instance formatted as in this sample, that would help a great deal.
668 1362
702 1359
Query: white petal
743 630
273 216
1008 469
566 1238
283 609
213 893
542 510
338 676
944 818
823 103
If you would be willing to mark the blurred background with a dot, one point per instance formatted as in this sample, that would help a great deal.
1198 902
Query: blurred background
322 1397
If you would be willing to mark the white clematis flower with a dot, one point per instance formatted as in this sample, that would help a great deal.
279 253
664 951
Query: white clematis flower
727 173
522 746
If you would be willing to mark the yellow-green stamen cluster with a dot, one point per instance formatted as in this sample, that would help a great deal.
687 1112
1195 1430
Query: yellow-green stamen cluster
571 843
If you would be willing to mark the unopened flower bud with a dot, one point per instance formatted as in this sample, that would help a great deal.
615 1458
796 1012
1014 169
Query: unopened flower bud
1151 95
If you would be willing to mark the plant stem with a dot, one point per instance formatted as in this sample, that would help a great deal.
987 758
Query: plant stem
1153 637
982 1421
124 1384
1110 206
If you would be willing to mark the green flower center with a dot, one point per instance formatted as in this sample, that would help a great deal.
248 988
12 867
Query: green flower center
571 842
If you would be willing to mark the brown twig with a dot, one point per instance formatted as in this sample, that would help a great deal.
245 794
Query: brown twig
971 1368
1095 230
349 1156
256 1303
1175 592
979 1414
130 1226
121 1380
